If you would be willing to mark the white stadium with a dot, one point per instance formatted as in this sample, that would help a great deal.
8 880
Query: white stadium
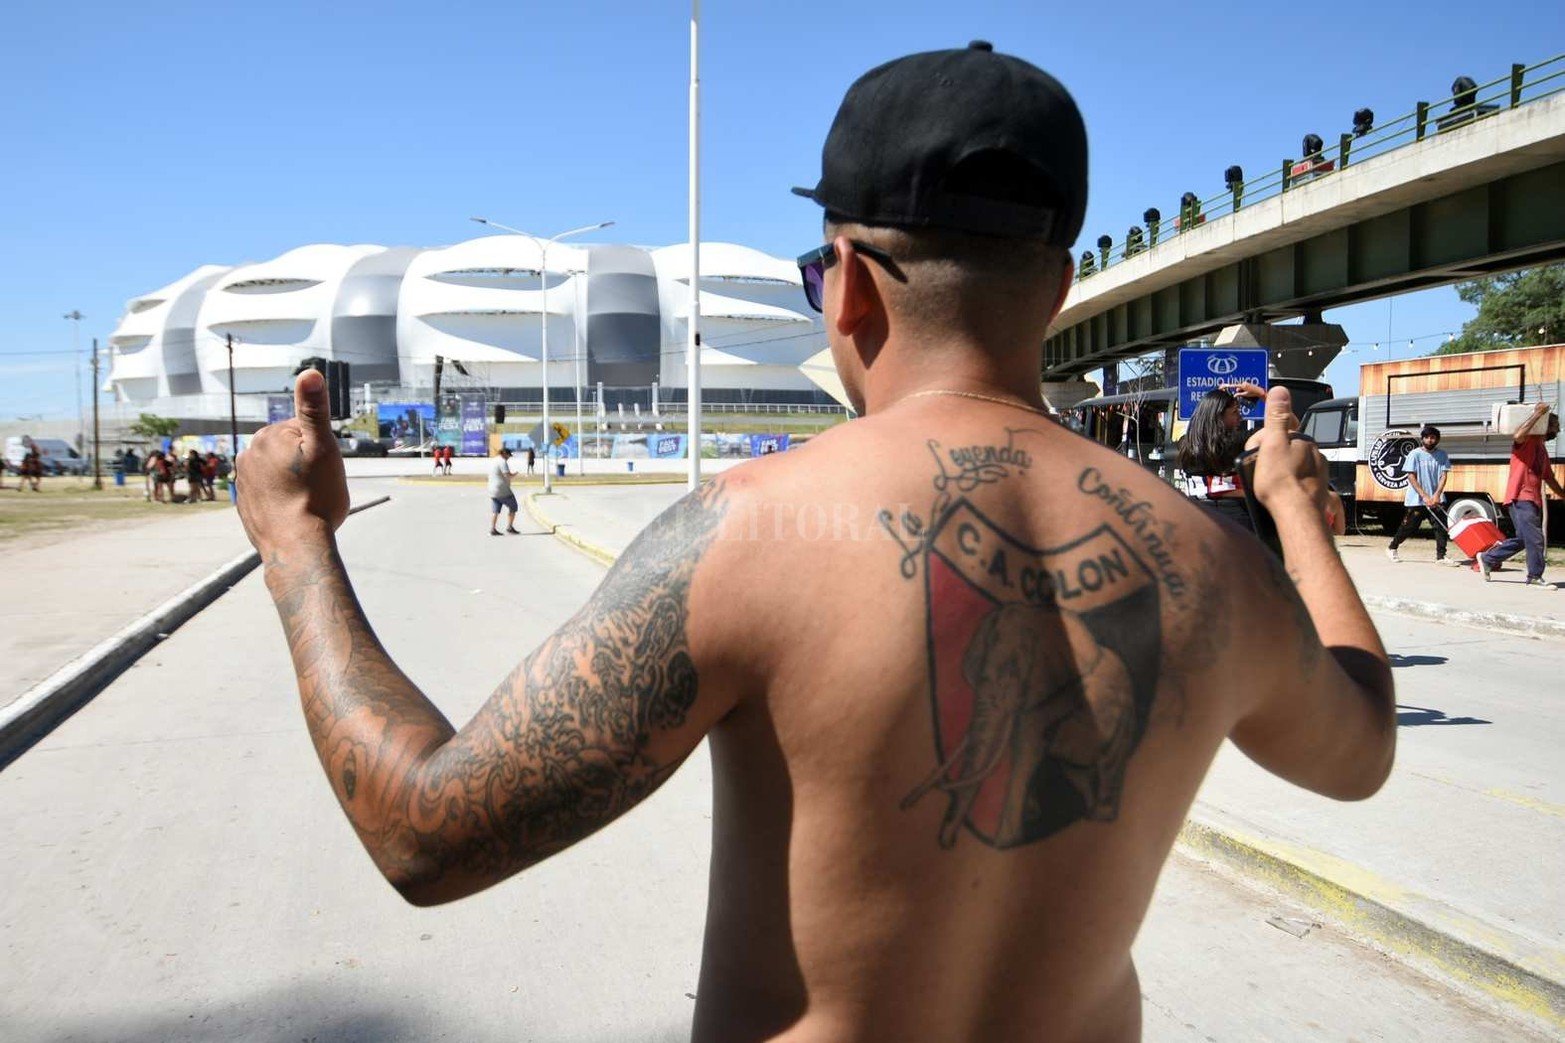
617 315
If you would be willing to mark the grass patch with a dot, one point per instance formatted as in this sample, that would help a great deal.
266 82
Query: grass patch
68 503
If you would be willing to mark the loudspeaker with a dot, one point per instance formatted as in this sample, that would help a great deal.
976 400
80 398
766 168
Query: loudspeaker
499 413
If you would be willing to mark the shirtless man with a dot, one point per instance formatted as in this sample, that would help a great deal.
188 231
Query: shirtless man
997 660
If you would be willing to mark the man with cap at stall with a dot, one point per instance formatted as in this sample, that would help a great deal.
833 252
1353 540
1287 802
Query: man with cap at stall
962 670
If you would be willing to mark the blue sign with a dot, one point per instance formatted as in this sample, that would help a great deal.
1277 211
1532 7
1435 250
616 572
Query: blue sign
666 447
1207 369
765 445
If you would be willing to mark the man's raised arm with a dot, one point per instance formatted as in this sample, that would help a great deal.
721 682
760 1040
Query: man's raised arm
1326 716
586 727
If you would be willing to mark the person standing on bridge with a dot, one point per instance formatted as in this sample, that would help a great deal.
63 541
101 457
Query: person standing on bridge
948 762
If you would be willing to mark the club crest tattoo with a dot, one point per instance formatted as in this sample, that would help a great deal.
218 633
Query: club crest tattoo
1043 666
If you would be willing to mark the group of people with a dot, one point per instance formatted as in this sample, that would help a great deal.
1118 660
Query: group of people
1216 437
1428 468
442 455
199 472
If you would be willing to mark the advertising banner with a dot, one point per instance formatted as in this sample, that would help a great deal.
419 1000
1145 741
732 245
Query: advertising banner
475 427
1204 369
406 423
448 422
666 447
765 445
278 408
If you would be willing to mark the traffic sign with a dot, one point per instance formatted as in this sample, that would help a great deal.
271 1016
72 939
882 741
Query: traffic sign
1205 369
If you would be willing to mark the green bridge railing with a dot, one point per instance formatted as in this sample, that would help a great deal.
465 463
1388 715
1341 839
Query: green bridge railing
1524 84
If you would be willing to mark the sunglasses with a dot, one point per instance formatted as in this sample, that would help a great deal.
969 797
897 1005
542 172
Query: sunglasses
813 265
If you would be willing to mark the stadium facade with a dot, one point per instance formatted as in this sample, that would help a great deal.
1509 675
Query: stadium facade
617 315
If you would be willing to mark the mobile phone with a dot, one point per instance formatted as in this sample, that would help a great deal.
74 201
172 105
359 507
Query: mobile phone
1261 519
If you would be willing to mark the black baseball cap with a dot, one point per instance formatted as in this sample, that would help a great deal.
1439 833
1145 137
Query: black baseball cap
966 140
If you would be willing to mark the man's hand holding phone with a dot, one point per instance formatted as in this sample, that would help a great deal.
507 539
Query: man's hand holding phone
1289 470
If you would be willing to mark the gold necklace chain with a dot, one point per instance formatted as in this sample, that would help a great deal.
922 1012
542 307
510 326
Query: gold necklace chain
973 394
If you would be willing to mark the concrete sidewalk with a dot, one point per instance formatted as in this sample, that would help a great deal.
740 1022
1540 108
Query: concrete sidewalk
1419 869
66 591
1418 586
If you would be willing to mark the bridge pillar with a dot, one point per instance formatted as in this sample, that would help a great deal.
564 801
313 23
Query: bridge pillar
1062 394
1299 351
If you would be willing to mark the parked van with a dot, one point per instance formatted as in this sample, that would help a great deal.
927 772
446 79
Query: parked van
57 454
1367 439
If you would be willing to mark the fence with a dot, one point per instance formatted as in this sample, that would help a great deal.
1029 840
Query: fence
1524 84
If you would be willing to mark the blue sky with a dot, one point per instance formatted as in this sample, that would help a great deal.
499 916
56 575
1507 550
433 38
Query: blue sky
143 140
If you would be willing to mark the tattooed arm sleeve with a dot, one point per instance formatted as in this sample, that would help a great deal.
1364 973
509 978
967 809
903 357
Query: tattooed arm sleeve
585 728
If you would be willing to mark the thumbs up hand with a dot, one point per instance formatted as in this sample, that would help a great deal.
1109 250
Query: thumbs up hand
291 482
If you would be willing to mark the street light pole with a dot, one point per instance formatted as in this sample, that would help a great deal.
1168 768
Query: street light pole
543 316
97 469
581 435
233 424
693 332
76 317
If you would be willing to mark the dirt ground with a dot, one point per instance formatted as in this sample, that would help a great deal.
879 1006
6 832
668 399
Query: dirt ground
67 504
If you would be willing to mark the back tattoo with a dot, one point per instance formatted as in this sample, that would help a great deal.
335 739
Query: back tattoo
1043 662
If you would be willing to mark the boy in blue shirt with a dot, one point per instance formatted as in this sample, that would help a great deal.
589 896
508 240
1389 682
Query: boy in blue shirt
1427 469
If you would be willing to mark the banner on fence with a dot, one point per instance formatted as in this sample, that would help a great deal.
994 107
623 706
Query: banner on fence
765 445
475 427
406 423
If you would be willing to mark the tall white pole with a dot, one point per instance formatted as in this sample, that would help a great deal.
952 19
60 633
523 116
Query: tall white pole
581 436
543 313
76 317
693 333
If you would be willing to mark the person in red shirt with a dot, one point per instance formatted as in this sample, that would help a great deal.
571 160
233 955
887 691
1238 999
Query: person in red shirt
1530 470
209 476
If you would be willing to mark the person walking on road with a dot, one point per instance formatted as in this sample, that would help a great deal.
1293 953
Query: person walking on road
532 459
958 703
500 494
1530 471
450 451
1427 469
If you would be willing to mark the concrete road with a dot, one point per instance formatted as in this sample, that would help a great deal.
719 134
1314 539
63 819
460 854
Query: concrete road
175 868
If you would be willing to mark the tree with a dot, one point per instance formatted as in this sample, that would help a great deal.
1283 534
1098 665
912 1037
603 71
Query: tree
150 425
1515 310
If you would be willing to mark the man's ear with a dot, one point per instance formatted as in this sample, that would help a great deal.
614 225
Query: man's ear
858 298
1065 287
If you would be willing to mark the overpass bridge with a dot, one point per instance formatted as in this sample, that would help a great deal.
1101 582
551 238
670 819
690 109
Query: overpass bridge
1422 201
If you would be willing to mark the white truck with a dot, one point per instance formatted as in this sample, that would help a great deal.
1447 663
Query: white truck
1475 399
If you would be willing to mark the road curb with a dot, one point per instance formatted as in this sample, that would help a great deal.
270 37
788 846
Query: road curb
1526 626
47 704
1522 976
602 555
